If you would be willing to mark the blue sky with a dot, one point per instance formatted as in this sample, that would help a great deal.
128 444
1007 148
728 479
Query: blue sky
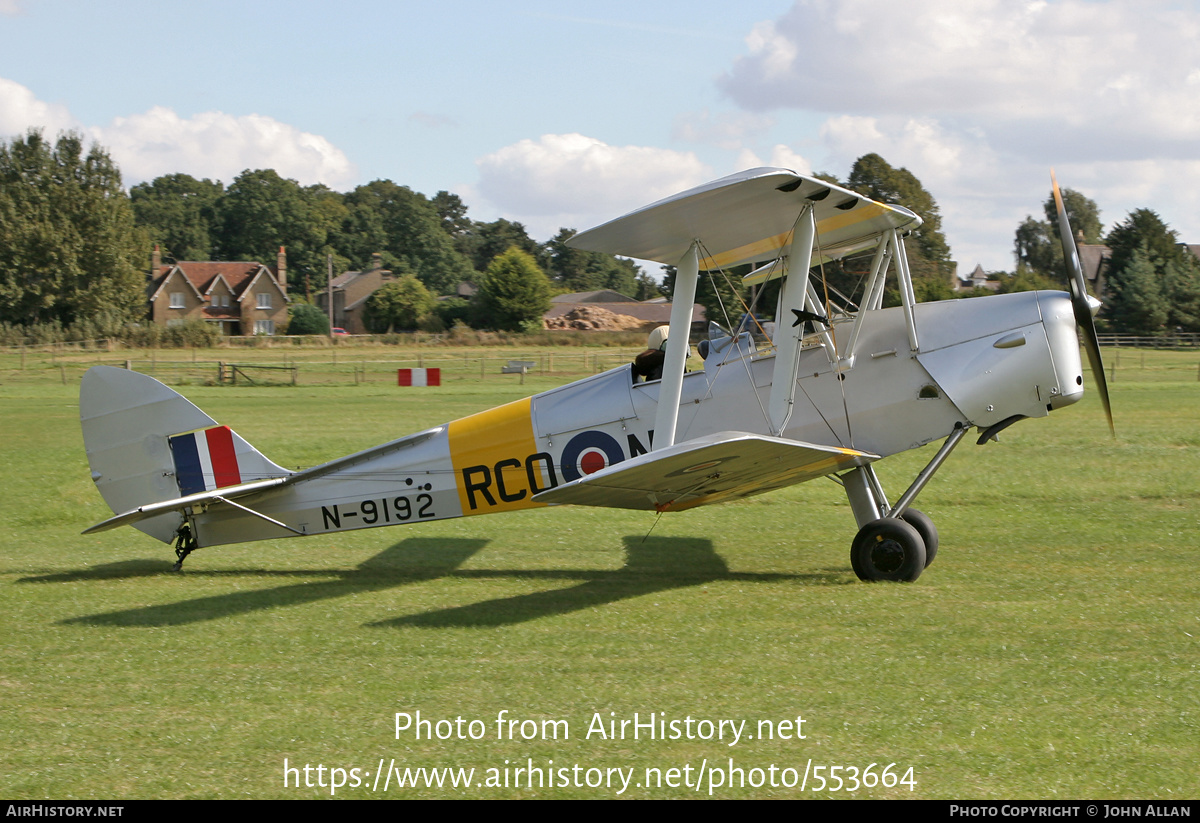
570 114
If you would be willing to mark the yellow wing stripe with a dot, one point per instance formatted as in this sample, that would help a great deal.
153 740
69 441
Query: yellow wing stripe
768 245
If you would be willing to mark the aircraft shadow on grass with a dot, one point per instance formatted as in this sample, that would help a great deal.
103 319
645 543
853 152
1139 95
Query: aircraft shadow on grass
652 565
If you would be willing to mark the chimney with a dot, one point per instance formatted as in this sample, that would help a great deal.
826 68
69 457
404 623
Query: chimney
281 269
376 261
155 262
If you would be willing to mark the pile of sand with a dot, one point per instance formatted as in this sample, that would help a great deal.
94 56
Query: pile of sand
593 318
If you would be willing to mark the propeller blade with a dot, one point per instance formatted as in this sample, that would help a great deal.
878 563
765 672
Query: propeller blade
1080 304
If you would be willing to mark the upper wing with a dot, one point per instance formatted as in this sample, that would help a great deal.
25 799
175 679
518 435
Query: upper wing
711 469
745 218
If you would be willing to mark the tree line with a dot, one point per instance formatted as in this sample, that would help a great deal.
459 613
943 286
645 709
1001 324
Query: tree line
1152 280
75 246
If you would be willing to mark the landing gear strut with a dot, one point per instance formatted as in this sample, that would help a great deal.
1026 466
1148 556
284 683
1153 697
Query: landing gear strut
894 542
185 544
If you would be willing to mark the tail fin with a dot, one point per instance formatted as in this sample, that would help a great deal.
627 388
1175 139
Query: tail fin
147 444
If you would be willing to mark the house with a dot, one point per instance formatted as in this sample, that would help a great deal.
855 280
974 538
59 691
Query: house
243 297
978 279
1093 260
350 291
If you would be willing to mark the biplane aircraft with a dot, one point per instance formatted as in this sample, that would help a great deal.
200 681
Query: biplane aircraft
838 387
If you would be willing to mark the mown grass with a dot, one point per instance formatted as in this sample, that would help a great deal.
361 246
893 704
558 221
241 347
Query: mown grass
1050 652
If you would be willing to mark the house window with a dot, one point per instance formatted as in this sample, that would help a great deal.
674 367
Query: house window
177 300
264 300
216 300
264 326
225 301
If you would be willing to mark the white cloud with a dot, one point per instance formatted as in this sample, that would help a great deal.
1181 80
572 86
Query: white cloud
20 110
212 144
1036 74
978 98
10 8
577 181
221 146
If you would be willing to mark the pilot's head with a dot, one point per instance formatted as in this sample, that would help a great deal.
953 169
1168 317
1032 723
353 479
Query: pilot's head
658 338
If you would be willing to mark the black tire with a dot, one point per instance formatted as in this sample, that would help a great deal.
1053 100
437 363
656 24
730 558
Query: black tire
924 526
888 549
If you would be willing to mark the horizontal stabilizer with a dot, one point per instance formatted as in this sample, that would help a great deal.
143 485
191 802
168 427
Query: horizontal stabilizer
180 503
712 469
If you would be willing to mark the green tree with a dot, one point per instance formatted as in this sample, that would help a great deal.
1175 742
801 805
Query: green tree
1150 273
1038 245
395 220
69 248
722 294
648 288
1137 304
484 242
929 254
305 318
1038 251
180 214
513 292
453 213
1082 212
262 211
399 305
1027 279
576 270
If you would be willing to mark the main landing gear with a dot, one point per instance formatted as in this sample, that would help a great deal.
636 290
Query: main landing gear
888 549
893 542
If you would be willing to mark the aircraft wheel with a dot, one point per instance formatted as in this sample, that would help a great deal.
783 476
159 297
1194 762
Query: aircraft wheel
924 526
888 549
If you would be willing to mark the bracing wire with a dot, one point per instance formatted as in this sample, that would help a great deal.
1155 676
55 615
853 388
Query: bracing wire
833 337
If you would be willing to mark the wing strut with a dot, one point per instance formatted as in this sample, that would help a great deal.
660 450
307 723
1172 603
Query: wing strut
787 341
687 272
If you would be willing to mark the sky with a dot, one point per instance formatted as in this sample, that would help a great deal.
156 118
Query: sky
562 114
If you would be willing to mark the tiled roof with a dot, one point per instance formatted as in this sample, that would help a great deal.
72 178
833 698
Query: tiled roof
600 296
202 274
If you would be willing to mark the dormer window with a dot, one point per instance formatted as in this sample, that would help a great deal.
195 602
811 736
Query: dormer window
177 300
264 300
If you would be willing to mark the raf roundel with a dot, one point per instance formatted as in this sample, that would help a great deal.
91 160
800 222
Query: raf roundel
588 453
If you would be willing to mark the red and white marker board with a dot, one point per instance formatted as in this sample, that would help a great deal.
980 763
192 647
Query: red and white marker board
418 377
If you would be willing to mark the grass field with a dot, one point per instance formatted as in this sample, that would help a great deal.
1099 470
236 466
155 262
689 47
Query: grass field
1051 651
